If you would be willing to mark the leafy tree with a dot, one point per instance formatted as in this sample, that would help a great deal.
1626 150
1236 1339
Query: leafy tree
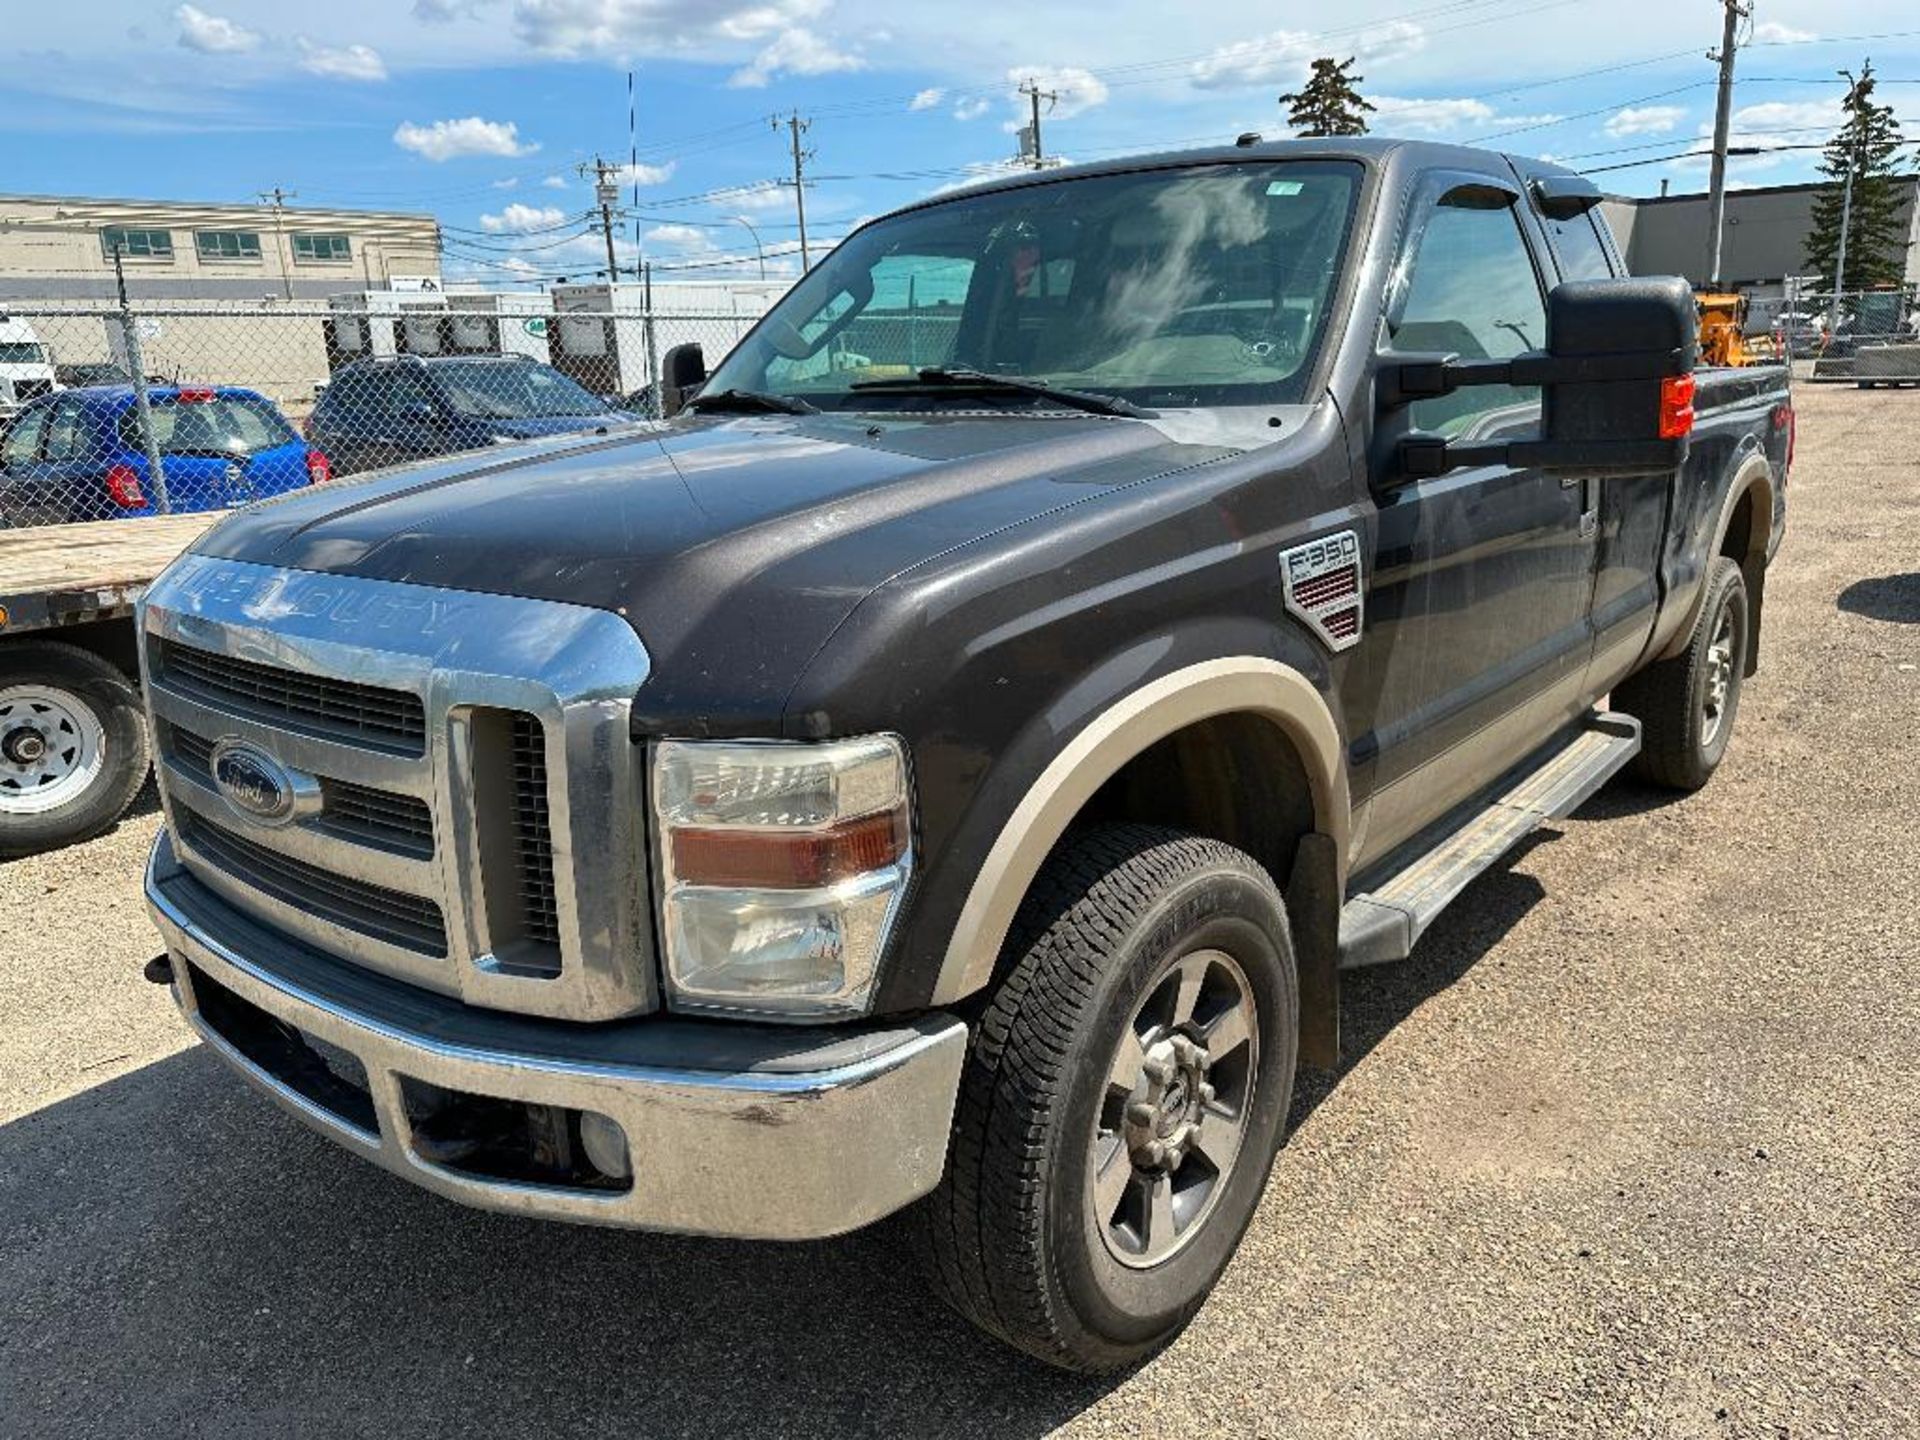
1329 103
1868 144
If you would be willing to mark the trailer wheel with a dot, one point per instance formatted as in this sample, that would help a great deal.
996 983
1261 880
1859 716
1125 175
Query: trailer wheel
73 746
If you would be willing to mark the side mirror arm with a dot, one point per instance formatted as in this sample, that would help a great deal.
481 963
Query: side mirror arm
1402 379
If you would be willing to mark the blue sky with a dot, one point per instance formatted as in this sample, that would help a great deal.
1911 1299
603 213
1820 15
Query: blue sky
480 111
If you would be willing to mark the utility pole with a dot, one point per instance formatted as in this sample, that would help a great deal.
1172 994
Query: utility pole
1030 137
606 192
1846 219
137 367
1735 12
796 128
278 198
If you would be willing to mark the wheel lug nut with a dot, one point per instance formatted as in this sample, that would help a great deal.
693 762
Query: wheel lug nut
1140 1113
1206 1093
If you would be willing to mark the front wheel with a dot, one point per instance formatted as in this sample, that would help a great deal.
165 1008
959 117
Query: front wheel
1122 1101
73 746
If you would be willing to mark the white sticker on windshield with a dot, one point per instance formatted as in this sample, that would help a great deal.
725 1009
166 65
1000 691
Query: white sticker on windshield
1285 187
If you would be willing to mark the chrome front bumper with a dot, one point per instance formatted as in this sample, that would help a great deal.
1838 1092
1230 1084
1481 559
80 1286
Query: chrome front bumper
751 1131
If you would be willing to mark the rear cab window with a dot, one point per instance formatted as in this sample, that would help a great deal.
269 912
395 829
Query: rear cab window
222 425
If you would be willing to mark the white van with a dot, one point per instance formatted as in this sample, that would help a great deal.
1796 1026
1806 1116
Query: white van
26 369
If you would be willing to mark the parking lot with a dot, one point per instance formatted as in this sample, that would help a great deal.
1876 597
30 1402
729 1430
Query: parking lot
1630 1147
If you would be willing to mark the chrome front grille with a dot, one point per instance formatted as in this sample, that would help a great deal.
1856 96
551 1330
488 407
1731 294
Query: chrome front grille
339 709
465 814
389 915
353 812
533 833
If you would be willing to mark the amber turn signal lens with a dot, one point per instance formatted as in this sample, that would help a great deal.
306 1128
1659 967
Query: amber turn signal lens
788 859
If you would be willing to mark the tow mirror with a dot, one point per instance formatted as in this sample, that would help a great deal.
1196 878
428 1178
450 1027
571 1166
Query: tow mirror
683 370
1616 380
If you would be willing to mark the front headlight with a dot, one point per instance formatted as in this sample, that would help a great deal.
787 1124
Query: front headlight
781 867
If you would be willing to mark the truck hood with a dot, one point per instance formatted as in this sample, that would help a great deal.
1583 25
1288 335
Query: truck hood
733 546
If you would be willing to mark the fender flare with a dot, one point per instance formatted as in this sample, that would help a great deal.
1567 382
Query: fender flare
1126 728
1754 471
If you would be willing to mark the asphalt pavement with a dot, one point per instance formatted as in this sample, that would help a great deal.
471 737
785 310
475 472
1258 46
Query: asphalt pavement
1627 1148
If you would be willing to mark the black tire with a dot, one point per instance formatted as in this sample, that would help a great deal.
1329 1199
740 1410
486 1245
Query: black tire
97 712
1681 743
1013 1238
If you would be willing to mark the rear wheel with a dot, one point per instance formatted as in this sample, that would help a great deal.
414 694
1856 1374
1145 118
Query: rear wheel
73 746
1122 1101
1686 705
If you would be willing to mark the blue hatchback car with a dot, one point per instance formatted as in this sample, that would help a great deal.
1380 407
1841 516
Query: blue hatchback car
79 454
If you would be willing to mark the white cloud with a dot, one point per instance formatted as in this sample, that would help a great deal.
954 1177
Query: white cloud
1398 115
1281 56
1645 120
623 27
346 62
517 219
972 109
645 174
512 182
554 182
758 197
684 238
213 34
1429 117
927 99
451 139
795 52
445 12
1772 32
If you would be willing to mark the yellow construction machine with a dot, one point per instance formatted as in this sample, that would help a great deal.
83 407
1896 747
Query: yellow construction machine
1723 323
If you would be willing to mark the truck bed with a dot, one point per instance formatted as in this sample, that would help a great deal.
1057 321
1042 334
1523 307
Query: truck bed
67 574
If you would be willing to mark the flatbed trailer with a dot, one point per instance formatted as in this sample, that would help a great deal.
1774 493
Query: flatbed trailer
73 743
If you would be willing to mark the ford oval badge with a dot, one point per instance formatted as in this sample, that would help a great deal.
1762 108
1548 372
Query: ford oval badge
256 786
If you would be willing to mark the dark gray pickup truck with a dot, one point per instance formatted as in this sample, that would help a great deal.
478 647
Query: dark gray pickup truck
949 764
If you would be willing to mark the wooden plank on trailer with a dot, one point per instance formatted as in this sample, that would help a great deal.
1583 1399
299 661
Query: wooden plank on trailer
59 574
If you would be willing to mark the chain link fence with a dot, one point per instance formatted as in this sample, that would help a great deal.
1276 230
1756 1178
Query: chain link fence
1868 337
116 412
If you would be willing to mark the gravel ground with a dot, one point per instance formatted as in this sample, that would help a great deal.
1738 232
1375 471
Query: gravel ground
1628 1148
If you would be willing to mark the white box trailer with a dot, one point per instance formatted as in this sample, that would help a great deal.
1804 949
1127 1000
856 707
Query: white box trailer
607 338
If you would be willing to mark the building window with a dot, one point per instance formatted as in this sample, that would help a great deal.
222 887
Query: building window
137 244
321 247
227 244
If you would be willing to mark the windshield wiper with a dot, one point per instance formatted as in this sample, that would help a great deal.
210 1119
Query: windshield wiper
940 377
751 400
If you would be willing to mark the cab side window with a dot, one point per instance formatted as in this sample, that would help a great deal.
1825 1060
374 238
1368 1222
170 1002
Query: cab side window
1469 289
22 445
1577 248
66 434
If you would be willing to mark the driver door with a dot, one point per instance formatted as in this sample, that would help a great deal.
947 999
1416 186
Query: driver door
1479 613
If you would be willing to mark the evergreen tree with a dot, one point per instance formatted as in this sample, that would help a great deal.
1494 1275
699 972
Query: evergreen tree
1329 103
1868 144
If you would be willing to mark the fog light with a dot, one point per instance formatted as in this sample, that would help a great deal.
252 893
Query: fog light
606 1145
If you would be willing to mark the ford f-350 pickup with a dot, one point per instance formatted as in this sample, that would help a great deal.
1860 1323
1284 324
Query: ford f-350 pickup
949 764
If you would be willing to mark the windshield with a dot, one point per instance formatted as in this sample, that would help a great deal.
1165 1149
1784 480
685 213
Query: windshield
1168 288
223 425
513 391
21 352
